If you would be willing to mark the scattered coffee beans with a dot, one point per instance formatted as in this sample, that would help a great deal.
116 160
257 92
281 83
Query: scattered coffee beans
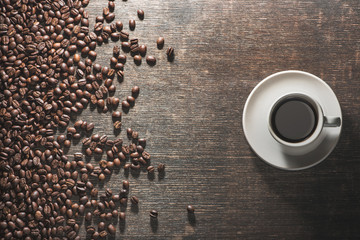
49 75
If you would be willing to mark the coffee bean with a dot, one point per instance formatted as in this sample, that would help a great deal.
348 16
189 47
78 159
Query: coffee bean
116 51
161 167
135 91
122 216
111 6
116 114
134 135
142 142
140 14
125 104
190 209
134 200
125 46
90 230
117 124
160 42
137 59
94 192
98 150
101 177
132 24
119 25
124 35
77 58
122 59
111 229
90 127
92 54
154 214
130 100
126 184
106 11
150 169
110 17
151 60
142 50
170 53
99 19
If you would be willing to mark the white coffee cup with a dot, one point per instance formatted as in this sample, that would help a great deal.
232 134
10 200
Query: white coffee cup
312 141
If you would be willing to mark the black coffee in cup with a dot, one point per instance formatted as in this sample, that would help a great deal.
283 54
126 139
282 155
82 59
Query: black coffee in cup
293 119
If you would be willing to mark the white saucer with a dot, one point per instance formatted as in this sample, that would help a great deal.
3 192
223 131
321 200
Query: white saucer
255 119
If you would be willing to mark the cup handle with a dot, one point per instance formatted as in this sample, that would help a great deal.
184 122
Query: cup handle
332 121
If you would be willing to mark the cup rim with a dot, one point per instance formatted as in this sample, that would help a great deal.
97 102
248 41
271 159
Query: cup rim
318 128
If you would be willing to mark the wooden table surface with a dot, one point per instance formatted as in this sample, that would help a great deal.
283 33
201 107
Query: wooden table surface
190 111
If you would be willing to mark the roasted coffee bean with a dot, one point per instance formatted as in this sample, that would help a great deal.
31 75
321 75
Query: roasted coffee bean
154 214
125 46
92 54
161 167
134 135
111 229
119 25
125 104
94 192
122 59
142 50
111 6
130 100
135 166
160 42
127 166
126 184
151 60
139 148
110 17
77 58
170 53
134 200
90 230
90 127
102 177
106 11
129 132
122 216
113 61
124 35
137 59
140 14
117 124
99 19
142 142
190 209
150 169
132 24
116 114
135 91
116 51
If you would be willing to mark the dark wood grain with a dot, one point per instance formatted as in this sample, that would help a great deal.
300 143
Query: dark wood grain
190 112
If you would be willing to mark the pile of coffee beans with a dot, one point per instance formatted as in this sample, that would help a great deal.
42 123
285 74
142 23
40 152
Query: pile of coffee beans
49 74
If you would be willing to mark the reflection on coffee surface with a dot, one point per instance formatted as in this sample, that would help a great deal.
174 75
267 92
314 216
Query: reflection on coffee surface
294 120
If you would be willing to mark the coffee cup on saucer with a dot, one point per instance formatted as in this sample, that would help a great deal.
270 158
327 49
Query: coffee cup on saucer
292 120
296 121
